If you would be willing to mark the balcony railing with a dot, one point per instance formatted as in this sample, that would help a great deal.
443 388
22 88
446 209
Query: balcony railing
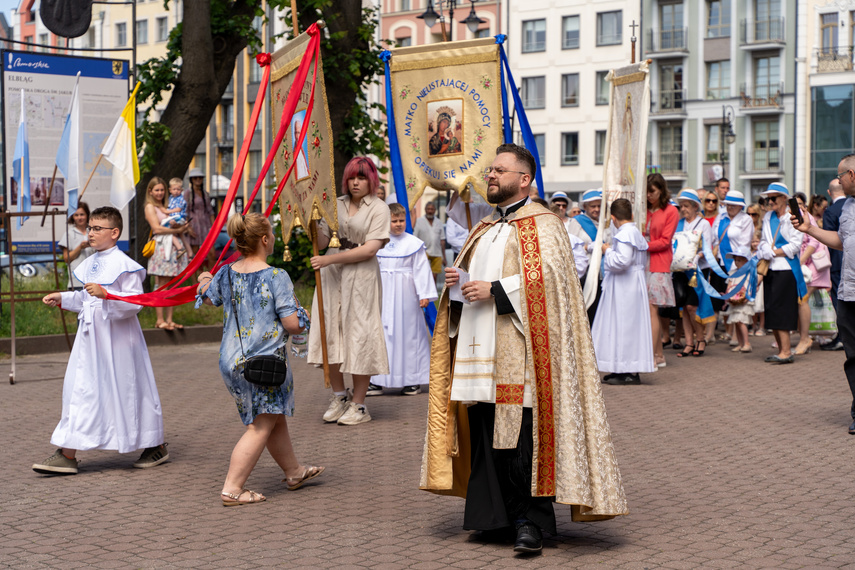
762 159
830 60
762 31
672 101
668 161
667 39
761 96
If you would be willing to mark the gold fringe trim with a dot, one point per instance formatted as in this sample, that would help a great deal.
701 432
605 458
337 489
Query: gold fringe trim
631 78
443 61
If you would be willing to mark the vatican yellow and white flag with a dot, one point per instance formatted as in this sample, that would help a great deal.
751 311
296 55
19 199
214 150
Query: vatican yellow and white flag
624 173
448 113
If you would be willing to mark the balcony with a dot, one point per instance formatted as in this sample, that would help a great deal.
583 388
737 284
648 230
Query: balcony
670 103
760 34
762 160
834 59
671 163
667 41
761 98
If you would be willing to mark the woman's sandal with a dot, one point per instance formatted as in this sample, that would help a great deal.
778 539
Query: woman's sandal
164 325
697 351
309 473
175 326
233 499
687 351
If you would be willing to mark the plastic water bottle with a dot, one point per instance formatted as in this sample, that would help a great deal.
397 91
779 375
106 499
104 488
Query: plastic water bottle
299 345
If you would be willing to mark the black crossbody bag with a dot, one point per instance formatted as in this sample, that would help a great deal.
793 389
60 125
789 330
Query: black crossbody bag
265 370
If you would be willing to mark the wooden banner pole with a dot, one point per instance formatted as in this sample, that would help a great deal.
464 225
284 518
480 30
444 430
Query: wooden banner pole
313 231
49 194
85 186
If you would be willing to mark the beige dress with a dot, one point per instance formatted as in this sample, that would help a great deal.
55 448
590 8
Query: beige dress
353 296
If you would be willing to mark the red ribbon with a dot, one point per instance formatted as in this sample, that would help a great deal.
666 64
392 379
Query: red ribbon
166 297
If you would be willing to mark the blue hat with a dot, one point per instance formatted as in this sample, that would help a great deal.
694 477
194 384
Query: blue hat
775 188
689 194
734 198
560 196
592 196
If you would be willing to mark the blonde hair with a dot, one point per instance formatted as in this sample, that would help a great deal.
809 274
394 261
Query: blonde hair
247 231
151 184
395 209
176 182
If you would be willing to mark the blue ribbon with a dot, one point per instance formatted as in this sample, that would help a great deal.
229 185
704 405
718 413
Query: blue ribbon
794 262
525 128
747 272
394 150
588 225
724 246
430 316
506 113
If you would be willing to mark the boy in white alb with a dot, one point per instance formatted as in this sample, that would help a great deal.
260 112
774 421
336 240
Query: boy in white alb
621 332
109 398
408 287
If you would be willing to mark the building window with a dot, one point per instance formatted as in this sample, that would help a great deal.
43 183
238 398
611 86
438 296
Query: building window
142 31
483 33
570 32
199 162
254 165
670 86
768 25
766 146
829 27
569 149
671 26
602 88
405 5
256 72
121 34
766 76
534 35
540 142
570 90
405 42
599 147
718 19
609 28
718 79
43 40
534 92
162 29
713 143
671 148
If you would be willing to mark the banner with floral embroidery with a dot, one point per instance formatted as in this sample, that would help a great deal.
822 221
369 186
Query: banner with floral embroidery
312 183
448 113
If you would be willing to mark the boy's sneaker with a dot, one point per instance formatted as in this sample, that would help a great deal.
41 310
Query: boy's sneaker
338 405
624 379
355 414
152 456
57 464
411 390
374 390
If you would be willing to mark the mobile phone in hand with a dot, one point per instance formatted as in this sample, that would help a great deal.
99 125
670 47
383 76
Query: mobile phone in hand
795 210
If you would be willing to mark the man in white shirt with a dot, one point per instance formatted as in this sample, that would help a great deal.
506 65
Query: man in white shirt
430 230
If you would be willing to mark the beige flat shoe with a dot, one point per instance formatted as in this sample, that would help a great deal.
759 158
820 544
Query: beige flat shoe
309 473
233 499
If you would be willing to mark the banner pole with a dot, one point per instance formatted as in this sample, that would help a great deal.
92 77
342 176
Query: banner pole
313 231
49 194
294 24
85 186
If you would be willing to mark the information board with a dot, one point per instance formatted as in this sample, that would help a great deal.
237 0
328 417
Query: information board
47 81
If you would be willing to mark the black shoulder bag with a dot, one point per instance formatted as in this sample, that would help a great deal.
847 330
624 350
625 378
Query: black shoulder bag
265 370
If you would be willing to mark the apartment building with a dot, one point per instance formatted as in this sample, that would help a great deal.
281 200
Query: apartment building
723 92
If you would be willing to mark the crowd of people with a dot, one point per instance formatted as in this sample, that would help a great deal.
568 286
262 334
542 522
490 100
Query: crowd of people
504 409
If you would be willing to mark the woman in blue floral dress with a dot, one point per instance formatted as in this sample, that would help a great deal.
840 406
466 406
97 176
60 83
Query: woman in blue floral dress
267 308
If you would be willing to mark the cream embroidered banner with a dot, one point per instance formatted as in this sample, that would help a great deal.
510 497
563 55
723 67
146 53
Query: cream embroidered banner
624 174
448 113
312 181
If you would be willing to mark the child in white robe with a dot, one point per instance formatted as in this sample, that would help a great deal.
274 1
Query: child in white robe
621 332
408 287
109 398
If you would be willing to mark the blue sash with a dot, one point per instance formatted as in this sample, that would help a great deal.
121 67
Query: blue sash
724 242
795 264
588 225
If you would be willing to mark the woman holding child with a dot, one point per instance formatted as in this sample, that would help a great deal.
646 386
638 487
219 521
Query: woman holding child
266 309
352 293
165 262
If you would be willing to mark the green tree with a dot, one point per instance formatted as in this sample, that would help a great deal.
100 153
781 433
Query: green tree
199 65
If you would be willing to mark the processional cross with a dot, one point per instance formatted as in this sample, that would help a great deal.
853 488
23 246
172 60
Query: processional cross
633 39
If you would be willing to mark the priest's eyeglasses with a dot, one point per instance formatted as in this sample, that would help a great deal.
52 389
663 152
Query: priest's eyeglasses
97 229
499 171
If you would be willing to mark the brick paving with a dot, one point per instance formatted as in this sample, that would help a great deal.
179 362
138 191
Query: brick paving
727 462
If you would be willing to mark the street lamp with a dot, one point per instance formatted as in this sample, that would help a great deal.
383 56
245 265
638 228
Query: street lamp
430 17
727 137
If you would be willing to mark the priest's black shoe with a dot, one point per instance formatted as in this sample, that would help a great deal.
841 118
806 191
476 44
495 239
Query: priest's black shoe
852 428
835 344
529 538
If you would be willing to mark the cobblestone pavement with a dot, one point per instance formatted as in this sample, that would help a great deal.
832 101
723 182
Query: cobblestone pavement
727 462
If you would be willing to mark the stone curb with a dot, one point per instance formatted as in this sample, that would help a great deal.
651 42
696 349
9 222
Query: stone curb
48 344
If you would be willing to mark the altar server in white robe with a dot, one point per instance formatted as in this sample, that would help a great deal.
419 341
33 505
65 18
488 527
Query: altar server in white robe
408 287
109 397
621 331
